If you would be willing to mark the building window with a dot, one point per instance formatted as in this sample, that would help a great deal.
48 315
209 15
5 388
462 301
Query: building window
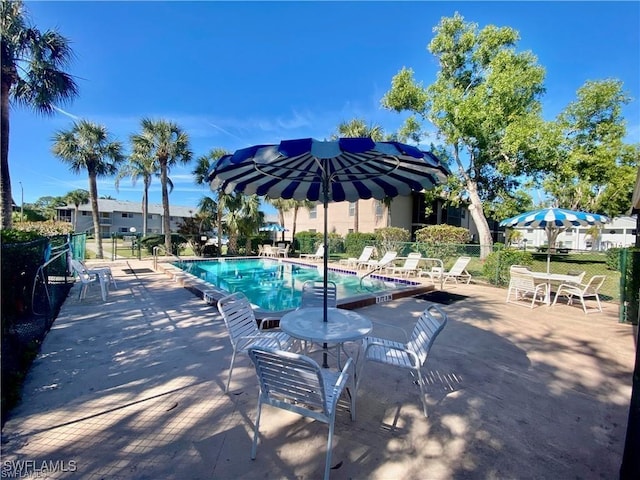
85 213
350 230
379 210
150 216
127 215
124 230
313 212
352 209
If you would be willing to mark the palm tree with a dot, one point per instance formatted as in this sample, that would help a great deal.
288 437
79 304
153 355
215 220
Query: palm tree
359 128
203 165
282 206
250 218
168 145
32 76
88 146
76 198
141 165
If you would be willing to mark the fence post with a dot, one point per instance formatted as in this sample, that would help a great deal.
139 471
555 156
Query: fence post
622 265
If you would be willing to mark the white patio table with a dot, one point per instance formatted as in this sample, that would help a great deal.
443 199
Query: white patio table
556 278
341 326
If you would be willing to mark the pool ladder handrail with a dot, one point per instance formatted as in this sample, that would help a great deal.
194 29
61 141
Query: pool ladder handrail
156 249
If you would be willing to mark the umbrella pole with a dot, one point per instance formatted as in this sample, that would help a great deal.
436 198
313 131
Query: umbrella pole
325 259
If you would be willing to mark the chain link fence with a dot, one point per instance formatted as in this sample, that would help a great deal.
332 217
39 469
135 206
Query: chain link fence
35 283
494 267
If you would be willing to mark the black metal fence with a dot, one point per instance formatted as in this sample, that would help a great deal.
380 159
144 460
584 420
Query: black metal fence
35 283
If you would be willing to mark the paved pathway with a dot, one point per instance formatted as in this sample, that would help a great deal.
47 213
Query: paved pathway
132 388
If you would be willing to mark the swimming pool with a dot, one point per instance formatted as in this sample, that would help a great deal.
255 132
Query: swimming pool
276 285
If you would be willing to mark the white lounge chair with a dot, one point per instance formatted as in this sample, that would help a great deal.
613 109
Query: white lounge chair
409 267
362 260
457 272
296 383
319 255
243 328
386 259
411 355
588 290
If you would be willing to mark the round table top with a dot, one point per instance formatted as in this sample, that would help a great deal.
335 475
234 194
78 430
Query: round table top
342 325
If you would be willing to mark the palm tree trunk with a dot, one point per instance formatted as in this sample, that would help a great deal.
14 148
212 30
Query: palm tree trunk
145 206
93 193
75 218
5 177
281 215
165 206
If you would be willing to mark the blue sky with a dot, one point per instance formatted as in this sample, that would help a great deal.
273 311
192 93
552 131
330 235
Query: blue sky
235 74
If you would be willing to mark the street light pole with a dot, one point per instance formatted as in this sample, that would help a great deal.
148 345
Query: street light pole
21 202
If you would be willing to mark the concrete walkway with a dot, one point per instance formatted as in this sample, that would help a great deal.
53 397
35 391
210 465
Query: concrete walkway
132 388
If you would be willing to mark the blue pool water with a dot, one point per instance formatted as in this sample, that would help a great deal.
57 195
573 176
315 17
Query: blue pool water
276 285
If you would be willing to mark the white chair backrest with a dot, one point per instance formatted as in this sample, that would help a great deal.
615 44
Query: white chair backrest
320 251
238 316
313 294
522 280
367 251
594 284
79 269
388 257
412 261
429 325
292 378
460 265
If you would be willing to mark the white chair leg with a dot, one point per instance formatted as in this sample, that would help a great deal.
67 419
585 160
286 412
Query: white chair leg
254 447
233 359
327 464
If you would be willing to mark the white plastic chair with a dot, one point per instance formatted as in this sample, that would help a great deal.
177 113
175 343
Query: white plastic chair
86 279
106 271
319 255
409 267
582 291
313 294
411 355
386 259
364 257
296 383
522 283
242 326
457 271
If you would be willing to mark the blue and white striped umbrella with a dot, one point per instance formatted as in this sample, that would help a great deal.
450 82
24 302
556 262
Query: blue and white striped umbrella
346 169
554 217
273 227
554 220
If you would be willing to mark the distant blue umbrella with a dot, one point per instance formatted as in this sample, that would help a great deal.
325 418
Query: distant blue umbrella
273 227
554 221
346 169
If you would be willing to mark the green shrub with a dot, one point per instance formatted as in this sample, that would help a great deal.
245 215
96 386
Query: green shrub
177 242
308 242
497 264
613 259
387 238
443 234
354 242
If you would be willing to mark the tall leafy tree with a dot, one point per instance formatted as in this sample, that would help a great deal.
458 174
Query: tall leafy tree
250 218
359 128
33 75
89 146
141 164
596 169
168 145
76 198
203 165
485 105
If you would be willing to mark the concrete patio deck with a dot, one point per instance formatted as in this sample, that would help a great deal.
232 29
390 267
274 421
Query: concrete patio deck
132 388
